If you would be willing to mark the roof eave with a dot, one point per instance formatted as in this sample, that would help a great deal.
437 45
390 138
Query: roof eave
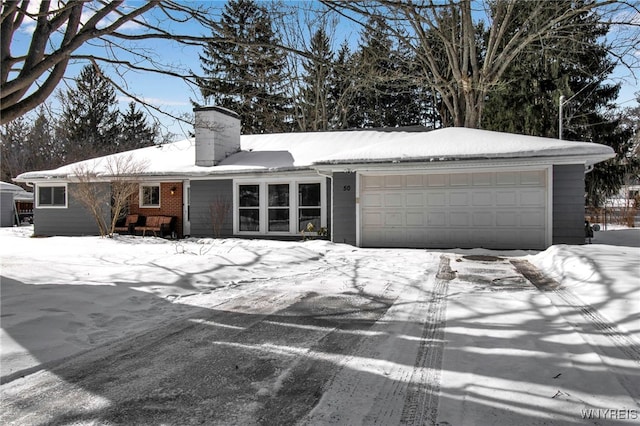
441 162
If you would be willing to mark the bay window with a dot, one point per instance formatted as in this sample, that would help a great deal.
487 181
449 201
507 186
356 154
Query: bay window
309 206
249 207
280 207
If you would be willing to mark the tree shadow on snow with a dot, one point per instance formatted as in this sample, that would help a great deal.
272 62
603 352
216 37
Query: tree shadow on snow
266 357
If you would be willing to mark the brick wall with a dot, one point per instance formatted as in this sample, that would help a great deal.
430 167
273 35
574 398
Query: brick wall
170 204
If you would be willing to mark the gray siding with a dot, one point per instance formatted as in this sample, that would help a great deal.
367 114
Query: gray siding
568 204
328 190
73 221
343 212
203 194
7 213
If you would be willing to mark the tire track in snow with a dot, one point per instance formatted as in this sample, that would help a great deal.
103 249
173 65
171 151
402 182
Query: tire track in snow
421 402
606 337
372 386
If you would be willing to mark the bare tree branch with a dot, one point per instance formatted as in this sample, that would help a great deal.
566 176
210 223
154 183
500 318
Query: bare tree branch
444 38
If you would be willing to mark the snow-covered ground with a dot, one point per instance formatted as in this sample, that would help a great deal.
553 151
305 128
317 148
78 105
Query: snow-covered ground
61 296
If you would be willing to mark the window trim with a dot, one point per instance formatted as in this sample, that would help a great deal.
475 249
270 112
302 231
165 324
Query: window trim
263 204
51 185
141 196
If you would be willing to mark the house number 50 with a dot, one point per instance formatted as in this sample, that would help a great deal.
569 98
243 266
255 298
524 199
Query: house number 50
346 188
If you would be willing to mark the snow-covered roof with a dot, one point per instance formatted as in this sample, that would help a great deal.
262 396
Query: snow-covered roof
286 151
9 187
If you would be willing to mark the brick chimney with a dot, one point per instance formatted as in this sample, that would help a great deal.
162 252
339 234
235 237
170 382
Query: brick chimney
217 134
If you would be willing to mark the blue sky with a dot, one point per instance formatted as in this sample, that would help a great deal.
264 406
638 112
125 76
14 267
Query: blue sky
173 95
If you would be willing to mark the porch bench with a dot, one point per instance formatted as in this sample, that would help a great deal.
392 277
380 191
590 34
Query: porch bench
128 225
163 225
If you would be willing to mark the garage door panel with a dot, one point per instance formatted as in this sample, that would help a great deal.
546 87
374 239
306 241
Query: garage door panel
459 199
534 177
531 236
507 178
394 181
438 180
482 179
532 219
507 218
393 219
482 209
483 219
506 198
416 237
371 200
460 237
372 182
459 219
415 199
482 198
459 179
437 199
531 198
437 236
372 219
416 181
393 200
485 236
415 218
436 219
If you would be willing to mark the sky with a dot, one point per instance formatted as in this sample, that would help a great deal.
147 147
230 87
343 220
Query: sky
174 95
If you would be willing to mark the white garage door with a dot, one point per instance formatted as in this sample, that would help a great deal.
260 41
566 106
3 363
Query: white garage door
506 210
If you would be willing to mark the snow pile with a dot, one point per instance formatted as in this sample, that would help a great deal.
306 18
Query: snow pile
605 274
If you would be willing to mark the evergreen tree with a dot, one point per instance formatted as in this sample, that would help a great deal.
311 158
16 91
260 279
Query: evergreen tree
342 89
46 151
89 124
14 151
29 147
135 131
386 79
315 103
245 69
528 100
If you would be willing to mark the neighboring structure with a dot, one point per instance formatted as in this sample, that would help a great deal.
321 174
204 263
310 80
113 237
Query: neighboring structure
620 209
16 205
447 188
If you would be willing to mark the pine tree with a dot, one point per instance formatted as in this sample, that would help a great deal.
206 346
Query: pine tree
89 124
342 89
386 80
46 150
27 147
135 131
315 103
527 102
14 151
245 69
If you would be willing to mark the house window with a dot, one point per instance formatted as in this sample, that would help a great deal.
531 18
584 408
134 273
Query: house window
150 195
249 207
54 196
279 207
309 206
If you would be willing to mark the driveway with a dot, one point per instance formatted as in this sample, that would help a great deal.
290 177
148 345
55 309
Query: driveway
471 341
